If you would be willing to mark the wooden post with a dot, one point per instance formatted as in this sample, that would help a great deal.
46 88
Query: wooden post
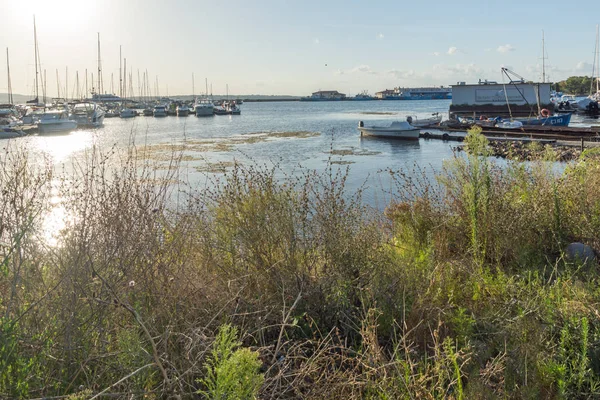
582 146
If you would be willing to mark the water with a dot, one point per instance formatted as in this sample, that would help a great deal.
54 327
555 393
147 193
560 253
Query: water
332 125
263 135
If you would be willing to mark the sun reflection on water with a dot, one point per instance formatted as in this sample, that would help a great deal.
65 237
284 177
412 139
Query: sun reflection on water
62 147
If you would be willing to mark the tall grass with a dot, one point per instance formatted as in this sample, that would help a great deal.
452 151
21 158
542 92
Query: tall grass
262 287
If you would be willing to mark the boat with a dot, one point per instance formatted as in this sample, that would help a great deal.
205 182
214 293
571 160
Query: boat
232 108
554 120
220 110
363 96
397 130
148 112
183 111
204 108
56 121
435 119
160 111
509 124
88 115
128 113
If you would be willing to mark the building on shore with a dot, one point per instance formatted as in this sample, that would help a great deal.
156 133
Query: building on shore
422 93
492 99
325 95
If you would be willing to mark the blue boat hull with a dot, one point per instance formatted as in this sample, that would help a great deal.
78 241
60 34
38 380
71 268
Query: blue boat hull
555 120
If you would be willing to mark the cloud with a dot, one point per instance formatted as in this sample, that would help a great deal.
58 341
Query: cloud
435 53
505 48
364 69
316 40
401 74
487 50
452 50
380 36
339 72
583 66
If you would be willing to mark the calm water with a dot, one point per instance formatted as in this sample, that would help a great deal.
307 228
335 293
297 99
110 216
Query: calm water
333 125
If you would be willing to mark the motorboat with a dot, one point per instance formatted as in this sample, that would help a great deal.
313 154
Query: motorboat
509 124
160 111
56 121
397 130
128 113
10 127
435 119
88 115
220 110
204 108
183 111
232 108
148 112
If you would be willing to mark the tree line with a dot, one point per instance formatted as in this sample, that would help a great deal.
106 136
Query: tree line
577 85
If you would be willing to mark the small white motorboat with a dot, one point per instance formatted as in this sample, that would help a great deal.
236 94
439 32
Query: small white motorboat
204 108
56 121
160 111
128 113
88 115
397 130
435 119
183 111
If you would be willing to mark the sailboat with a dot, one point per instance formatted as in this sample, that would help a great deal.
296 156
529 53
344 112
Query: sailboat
589 105
36 100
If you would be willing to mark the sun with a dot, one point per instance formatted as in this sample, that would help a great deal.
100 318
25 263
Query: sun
57 15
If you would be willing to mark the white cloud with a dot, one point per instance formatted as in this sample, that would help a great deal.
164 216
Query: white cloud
316 40
505 48
339 72
435 53
583 66
452 50
401 74
364 69
380 36
487 50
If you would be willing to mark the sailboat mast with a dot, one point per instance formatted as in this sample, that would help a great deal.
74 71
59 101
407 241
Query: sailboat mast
36 60
597 59
44 87
10 96
206 87
99 88
86 87
125 78
139 86
543 59
120 72
193 88
66 83
57 84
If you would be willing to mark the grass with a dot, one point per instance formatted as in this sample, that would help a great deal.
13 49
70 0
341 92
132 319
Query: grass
262 287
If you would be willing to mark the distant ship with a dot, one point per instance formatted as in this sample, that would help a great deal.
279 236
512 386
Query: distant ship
422 93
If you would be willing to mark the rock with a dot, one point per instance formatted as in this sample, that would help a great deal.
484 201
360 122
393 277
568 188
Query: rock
581 253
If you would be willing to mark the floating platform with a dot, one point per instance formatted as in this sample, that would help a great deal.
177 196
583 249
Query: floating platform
537 132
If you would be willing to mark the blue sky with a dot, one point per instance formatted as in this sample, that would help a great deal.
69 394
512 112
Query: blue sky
297 47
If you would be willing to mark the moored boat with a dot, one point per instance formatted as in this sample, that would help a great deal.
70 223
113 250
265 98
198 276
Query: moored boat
128 113
435 119
160 111
183 111
87 114
56 121
204 108
554 120
397 130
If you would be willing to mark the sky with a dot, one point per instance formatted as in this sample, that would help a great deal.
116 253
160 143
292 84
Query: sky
280 47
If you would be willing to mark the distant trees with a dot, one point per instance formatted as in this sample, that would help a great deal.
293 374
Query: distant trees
578 85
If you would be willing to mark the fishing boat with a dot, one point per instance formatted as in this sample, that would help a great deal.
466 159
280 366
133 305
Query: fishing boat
435 119
220 110
183 111
397 130
88 115
56 121
554 120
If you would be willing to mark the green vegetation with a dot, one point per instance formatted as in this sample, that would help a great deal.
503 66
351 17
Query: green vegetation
271 288
577 85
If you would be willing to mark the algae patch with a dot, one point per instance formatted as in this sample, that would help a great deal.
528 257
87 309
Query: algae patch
215 168
353 151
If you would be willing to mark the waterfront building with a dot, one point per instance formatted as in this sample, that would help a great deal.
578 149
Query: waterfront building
325 95
492 99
